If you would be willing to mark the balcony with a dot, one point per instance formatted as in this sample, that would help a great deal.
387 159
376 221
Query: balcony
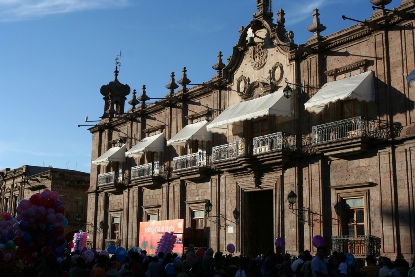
359 246
106 178
146 174
192 166
263 153
111 181
115 242
348 136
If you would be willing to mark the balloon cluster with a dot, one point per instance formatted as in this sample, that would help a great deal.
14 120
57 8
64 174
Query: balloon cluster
79 241
40 227
7 246
166 243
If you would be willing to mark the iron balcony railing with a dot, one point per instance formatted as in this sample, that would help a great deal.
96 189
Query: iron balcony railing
273 142
360 246
355 127
106 178
197 159
267 143
115 242
229 151
145 170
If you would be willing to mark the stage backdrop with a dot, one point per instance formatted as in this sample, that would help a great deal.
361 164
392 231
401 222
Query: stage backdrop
152 231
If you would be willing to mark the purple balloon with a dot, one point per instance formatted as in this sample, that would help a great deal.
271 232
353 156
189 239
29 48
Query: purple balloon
230 247
280 242
318 241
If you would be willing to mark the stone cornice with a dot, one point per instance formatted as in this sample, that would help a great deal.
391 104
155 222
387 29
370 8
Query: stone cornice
347 68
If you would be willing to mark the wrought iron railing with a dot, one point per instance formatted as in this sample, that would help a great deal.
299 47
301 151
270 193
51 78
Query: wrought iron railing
230 151
273 142
267 143
197 159
355 127
359 246
115 242
145 170
106 178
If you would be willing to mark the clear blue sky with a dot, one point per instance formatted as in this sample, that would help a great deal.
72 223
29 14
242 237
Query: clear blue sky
56 55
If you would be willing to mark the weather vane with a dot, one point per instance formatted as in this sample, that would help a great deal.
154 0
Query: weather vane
117 60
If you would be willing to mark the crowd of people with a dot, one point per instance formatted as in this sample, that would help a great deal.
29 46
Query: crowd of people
206 263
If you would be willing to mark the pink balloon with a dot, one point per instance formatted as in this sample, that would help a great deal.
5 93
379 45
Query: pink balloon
54 195
25 204
45 193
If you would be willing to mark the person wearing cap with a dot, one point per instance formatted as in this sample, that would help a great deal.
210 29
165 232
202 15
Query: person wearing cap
100 268
80 270
178 268
318 263
207 261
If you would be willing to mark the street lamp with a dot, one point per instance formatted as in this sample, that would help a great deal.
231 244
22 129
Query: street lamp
300 212
235 213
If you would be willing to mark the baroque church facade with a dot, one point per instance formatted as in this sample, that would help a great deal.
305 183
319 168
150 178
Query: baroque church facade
286 141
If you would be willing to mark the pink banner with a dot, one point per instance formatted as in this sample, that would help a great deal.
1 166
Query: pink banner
152 231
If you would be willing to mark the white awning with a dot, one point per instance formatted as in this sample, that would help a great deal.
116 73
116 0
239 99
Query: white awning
411 78
115 154
196 131
360 87
271 104
150 144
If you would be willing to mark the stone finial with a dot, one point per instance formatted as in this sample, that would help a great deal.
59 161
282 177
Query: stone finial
184 80
134 102
281 18
172 85
316 27
143 97
219 65
380 3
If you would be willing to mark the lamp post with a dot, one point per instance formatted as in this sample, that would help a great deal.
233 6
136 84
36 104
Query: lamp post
208 209
300 212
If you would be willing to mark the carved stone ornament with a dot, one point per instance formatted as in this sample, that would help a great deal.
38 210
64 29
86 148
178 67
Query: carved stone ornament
242 86
277 73
258 56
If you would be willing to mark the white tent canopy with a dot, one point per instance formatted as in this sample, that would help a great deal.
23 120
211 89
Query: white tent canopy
150 144
115 154
360 87
196 131
271 104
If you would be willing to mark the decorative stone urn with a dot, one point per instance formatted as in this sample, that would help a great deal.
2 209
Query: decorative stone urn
380 3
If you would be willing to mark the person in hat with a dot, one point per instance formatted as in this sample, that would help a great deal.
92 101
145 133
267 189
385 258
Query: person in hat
178 268
80 270
207 261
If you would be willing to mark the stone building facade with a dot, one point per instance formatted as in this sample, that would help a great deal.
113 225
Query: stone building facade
21 183
298 140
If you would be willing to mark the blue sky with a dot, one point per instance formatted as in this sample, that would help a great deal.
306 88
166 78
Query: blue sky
56 55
